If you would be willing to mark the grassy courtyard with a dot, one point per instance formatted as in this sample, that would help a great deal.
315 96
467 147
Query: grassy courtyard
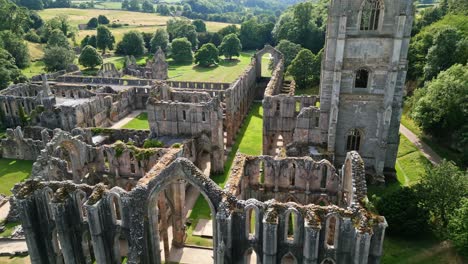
140 122
12 172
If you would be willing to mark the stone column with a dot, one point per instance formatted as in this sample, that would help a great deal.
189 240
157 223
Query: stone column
35 249
270 242
311 244
63 233
178 227
163 228
361 251
335 96
376 243
97 236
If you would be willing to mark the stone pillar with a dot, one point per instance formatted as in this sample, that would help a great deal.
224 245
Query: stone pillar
97 236
33 239
335 96
346 240
270 242
376 243
361 251
63 233
311 244
222 239
178 227
164 227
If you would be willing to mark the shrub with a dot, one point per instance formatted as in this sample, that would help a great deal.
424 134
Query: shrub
32 36
404 215
153 143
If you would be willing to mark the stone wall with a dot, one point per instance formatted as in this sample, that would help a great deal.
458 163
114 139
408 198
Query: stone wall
62 219
17 145
188 114
301 180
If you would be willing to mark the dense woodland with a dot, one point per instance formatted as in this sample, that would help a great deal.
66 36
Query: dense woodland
437 81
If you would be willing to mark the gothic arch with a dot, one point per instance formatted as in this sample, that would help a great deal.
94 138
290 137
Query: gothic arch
181 169
277 57
371 15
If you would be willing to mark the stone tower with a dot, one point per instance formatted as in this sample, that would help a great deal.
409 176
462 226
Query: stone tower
159 68
363 75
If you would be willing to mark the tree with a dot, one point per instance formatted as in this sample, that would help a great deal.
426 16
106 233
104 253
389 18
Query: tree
134 5
57 58
103 20
304 24
57 38
163 10
9 72
404 215
254 35
207 55
12 17
132 44
92 41
147 7
231 29
59 22
84 41
458 227
15 45
125 4
303 69
182 28
147 36
92 23
160 40
182 50
32 36
289 50
216 39
104 39
441 107
89 57
442 191
31 4
443 53
231 46
199 25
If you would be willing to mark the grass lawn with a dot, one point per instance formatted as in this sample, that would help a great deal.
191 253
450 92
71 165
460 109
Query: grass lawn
9 228
15 260
225 71
12 172
418 251
140 122
35 68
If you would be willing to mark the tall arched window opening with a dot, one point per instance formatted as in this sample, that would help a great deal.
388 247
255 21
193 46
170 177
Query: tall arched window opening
331 230
353 141
371 13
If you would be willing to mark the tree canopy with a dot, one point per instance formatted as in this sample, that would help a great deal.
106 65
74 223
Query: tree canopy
57 58
132 44
231 46
182 50
104 39
305 69
441 107
160 40
89 57
207 55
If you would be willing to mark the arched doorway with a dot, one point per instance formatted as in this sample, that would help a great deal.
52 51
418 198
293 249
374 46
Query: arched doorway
177 174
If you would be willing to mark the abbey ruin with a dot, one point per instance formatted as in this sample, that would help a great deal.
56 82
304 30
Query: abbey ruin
102 195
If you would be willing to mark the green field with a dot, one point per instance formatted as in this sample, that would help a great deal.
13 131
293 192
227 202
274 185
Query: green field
144 22
12 172
140 122
14 260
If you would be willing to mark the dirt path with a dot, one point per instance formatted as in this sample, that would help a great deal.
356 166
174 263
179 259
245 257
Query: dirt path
430 154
